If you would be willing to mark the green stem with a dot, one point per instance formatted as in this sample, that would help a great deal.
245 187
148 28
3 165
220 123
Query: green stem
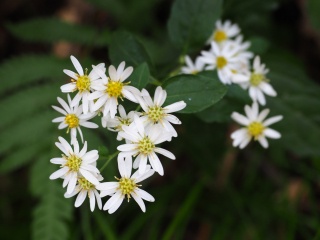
109 159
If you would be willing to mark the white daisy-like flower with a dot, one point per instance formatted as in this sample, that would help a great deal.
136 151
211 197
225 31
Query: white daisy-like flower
257 83
142 144
224 58
192 68
82 82
110 89
224 31
115 124
75 163
84 188
73 118
154 113
126 186
256 126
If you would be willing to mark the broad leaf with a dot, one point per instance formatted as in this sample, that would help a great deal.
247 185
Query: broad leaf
140 76
125 47
198 91
191 22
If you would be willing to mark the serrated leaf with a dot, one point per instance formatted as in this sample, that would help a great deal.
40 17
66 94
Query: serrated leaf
198 91
25 70
140 76
49 30
53 210
191 22
125 47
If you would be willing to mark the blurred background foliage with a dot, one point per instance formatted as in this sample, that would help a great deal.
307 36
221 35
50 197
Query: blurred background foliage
212 191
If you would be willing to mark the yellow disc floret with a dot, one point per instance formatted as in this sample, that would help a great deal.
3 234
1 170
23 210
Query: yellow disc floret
221 62
155 113
114 89
83 83
255 129
73 162
72 120
85 184
256 79
145 146
127 186
219 36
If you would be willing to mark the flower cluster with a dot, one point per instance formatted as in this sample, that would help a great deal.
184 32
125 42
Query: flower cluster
229 55
98 94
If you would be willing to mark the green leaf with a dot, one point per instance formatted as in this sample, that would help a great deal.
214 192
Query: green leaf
125 47
191 22
50 30
24 71
313 7
140 76
198 91
53 212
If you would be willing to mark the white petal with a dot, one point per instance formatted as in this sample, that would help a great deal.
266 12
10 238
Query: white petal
139 201
144 195
60 110
80 198
72 183
71 74
115 197
272 133
107 186
272 120
57 160
165 153
245 142
122 167
240 118
263 141
92 200
175 107
89 176
139 178
142 163
127 147
116 205
77 65
59 173
89 124
155 163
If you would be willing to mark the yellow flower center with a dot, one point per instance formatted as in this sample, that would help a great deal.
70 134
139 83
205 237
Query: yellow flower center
114 89
127 186
145 146
255 129
123 121
221 62
83 83
155 113
74 163
72 120
85 184
219 36
256 79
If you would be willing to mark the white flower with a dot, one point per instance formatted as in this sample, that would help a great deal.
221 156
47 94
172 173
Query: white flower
224 31
110 89
143 145
115 124
154 112
256 127
127 186
225 59
192 68
73 118
82 82
75 163
84 188
257 83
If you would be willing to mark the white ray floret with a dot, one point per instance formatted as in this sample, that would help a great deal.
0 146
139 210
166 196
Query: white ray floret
115 124
81 82
111 88
126 186
192 68
256 127
224 31
257 83
73 118
224 58
143 145
75 163
85 188
154 113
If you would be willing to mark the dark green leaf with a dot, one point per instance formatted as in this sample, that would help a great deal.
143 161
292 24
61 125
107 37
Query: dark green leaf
140 76
49 30
313 7
191 22
198 91
125 47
